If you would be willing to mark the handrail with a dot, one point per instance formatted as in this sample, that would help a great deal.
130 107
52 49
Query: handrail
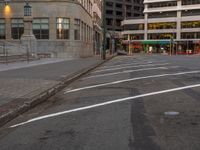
10 50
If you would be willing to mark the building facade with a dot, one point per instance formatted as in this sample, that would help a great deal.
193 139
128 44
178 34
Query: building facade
168 25
97 23
63 28
116 11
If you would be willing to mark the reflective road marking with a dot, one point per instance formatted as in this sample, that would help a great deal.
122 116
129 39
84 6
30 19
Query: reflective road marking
126 67
105 103
127 71
133 63
132 79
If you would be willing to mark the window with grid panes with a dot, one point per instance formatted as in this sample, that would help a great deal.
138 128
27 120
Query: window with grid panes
41 28
76 29
17 28
2 29
63 26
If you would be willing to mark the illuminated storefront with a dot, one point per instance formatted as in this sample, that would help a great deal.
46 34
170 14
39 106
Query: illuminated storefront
170 26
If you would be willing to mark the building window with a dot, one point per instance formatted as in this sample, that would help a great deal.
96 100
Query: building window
76 29
190 24
125 36
109 21
2 29
134 27
162 14
190 12
17 28
162 4
162 25
63 25
85 32
190 35
82 31
158 36
190 2
109 4
136 36
41 28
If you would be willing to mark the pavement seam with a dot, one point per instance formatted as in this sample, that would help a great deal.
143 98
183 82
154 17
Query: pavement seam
42 97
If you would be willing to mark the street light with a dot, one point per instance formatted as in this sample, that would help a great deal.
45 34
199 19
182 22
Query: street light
7 9
27 9
7 2
28 39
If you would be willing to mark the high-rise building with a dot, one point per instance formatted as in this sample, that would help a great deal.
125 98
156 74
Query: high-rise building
171 26
118 10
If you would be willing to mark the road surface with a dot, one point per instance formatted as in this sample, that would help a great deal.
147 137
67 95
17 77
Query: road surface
140 102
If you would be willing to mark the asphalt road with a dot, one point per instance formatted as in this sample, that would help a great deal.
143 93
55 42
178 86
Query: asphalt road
124 105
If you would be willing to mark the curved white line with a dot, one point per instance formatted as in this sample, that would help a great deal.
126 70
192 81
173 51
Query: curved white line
132 79
105 103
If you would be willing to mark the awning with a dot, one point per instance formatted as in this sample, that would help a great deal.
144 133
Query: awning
155 42
147 42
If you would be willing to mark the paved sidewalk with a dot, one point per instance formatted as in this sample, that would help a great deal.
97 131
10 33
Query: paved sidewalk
25 64
22 82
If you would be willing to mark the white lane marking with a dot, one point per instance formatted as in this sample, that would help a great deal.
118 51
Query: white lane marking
126 64
105 103
126 67
133 63
126 71
132 79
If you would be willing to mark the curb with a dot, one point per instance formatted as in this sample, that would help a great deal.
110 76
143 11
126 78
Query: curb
42 97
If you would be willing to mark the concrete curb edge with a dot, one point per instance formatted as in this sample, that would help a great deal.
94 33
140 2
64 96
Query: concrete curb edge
42 97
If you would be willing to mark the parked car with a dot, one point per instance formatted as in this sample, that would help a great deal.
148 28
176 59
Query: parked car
121 52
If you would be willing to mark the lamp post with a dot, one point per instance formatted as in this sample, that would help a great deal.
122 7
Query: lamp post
104 30
27 9
28 39
7 2
7 10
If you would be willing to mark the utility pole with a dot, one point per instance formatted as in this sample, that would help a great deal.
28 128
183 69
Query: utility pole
104 30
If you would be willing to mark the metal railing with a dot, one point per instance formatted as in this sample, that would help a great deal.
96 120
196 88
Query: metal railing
11 52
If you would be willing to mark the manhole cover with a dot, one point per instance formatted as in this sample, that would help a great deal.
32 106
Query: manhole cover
171 113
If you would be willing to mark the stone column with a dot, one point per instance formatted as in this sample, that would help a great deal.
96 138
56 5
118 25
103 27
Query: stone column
178 28
8 28
146 27
146 24
28 39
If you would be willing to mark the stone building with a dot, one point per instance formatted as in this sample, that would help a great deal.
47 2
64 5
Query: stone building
97 23
63 28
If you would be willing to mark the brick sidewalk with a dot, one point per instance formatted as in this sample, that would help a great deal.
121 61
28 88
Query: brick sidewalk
22 83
